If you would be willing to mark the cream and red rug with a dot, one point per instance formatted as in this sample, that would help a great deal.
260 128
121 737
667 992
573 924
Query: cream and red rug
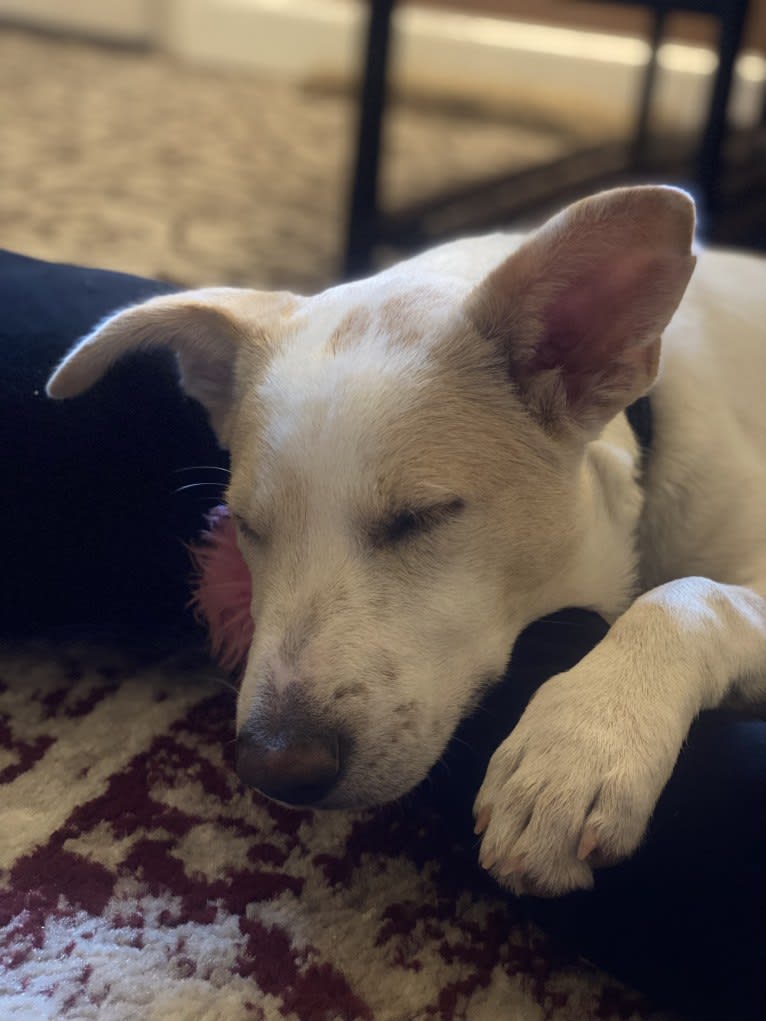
140 881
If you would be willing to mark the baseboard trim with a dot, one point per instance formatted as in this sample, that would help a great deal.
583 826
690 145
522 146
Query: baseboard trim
473 56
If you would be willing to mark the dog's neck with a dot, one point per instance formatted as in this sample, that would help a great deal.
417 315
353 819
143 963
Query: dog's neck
606 569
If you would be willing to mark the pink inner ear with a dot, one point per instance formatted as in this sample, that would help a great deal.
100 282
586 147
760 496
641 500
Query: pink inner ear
222 589
597 327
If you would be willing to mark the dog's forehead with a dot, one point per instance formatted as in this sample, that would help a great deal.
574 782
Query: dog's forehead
354 353
346 373
393 309
359 391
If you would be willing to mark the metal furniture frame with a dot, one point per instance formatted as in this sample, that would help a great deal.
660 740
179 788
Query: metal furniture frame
504 197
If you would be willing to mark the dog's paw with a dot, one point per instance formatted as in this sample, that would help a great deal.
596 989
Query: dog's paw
572 787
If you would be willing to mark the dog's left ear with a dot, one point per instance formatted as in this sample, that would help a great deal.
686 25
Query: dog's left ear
208 329
580 307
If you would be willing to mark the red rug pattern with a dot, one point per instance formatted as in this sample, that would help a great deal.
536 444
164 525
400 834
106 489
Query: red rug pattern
139 880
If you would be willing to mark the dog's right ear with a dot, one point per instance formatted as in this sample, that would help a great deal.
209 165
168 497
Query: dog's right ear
208 329
579 308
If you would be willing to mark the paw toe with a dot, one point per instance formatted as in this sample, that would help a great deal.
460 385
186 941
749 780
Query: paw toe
588 842
483 816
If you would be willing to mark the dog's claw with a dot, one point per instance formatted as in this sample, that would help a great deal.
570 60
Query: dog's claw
512 865
482 820
588 843
487 859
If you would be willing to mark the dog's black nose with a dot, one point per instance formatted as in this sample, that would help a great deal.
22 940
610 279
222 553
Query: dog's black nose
298 768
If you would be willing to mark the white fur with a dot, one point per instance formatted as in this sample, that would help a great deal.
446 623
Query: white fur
408 407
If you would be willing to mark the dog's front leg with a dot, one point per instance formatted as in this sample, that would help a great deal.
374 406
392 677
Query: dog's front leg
575 784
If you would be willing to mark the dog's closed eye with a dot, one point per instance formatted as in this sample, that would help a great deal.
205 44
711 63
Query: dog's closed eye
410 522
247 530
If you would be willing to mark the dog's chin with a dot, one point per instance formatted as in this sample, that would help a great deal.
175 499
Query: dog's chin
348 797
353 801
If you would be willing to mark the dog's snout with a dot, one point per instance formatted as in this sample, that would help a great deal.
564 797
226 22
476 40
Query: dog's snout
298 768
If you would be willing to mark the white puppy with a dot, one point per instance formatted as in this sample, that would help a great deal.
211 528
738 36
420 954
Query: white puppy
426 461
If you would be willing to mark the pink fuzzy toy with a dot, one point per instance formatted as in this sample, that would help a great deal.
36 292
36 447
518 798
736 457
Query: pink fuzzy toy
221 590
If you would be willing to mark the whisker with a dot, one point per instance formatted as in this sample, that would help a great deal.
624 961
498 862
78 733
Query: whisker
204 467
460 740
228 686
482 708
195 485
221 681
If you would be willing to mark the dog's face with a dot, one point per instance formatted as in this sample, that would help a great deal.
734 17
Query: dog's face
403 519
410 479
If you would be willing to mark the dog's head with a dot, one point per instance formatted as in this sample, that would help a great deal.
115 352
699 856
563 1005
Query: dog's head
411 476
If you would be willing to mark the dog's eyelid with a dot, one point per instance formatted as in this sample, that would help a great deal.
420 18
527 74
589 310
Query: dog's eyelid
446 508
247 529
408 522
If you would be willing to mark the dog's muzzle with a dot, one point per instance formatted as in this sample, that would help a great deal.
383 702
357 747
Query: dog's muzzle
297 766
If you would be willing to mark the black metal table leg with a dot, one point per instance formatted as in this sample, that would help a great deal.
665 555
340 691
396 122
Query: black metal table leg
648 85
363 210
709 156
494 201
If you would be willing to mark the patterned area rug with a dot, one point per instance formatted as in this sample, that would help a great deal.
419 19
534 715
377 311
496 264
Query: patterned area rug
140 881
130 161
